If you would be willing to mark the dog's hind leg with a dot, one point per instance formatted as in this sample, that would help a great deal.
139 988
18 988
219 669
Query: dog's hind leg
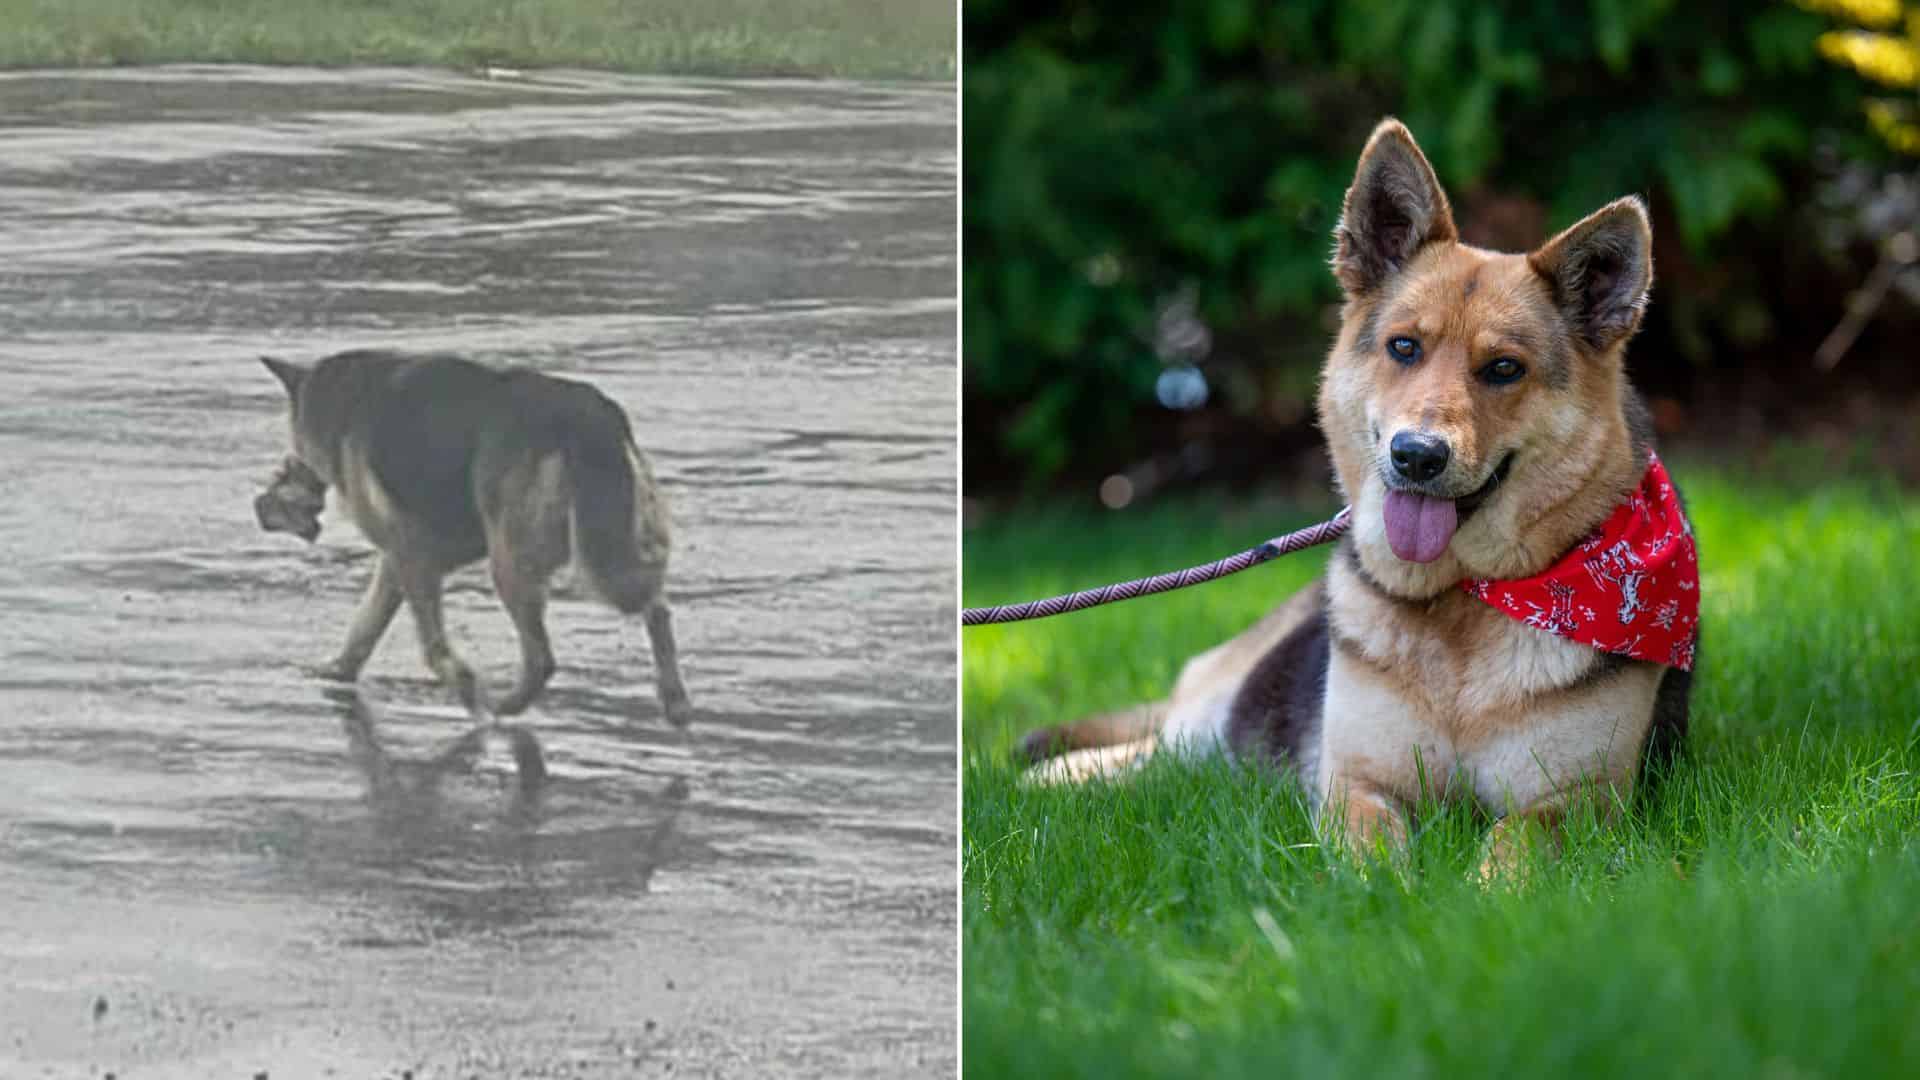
1079 766
642 590
421 586
666 664
523 592
1093 732
370 622
527 540
621 540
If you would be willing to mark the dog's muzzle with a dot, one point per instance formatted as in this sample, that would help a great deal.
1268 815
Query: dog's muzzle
293 501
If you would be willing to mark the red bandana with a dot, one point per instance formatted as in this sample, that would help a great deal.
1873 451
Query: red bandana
1631 587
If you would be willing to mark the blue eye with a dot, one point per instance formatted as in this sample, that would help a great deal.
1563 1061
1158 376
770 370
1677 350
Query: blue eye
1404 349
1503 371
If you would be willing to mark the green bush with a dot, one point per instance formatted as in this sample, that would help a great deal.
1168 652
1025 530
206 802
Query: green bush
1118 154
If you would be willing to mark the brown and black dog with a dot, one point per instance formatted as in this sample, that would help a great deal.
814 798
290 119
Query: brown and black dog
443 462
1480 423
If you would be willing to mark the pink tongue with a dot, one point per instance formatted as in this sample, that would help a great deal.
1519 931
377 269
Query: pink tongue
1418 527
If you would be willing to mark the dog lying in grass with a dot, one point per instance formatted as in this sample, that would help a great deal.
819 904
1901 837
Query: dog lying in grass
1512 618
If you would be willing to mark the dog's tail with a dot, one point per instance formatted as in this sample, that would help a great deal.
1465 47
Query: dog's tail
1093 732
620 534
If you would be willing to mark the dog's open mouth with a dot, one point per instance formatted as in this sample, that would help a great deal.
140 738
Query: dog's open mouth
1419 527
292 503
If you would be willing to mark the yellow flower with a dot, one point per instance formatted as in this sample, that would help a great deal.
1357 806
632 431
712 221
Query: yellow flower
1877 14
1887 60
1891 124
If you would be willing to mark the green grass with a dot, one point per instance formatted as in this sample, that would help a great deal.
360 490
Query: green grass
1760 919
911 39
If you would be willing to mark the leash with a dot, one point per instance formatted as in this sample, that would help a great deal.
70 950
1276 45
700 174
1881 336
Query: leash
1312 536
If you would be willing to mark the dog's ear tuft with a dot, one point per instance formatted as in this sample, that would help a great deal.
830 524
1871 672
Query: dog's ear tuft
1600 270
290 374
1394 208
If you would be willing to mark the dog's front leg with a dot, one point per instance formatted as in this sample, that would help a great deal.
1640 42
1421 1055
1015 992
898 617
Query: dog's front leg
1376 756
370 622
523 592
421 585
1583 756
1534 831
1368 817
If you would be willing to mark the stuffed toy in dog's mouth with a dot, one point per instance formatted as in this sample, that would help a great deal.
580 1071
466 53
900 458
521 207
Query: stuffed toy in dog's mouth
293 501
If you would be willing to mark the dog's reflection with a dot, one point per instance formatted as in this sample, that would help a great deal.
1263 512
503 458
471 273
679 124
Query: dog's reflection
414 786
406 795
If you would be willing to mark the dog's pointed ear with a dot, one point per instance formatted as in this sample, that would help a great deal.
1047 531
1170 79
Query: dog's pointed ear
1394 208
1600 270
290 374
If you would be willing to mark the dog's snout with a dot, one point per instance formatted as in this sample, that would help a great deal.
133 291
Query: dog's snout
1419 457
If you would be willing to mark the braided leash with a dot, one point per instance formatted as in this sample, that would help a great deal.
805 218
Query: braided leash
1314 535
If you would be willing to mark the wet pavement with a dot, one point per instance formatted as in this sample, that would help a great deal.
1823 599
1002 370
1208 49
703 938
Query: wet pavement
212 864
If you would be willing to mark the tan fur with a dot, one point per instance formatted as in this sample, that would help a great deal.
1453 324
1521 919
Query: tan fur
651 532
1427 687
1078 766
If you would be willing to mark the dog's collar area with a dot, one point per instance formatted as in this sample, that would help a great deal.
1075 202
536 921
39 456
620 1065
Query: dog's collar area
1631 587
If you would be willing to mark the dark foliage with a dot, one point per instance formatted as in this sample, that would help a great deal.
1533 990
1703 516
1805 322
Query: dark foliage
1156 184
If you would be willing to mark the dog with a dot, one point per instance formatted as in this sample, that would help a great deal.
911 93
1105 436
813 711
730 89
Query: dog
1512 619
442 462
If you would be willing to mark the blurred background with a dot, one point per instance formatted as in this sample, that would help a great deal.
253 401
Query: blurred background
1150 192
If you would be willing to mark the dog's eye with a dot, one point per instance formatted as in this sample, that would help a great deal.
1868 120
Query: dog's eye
1404 349
1504 370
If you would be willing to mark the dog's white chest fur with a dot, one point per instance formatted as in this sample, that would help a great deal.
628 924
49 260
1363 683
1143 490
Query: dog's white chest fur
1481 705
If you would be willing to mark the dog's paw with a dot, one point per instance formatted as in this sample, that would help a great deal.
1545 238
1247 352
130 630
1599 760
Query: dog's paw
679 712
335 670
1512 851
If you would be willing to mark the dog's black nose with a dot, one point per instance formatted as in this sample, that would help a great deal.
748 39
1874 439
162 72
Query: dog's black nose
1419 457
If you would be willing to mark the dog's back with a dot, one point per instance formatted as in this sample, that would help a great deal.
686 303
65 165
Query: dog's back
431 446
